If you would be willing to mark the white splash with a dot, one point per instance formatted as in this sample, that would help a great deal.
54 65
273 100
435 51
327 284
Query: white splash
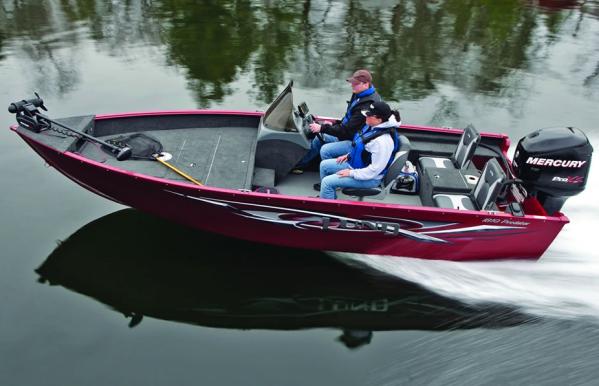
564 283
564 288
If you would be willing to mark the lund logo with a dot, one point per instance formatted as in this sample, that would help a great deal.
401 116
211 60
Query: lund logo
557 163
385 227
569 180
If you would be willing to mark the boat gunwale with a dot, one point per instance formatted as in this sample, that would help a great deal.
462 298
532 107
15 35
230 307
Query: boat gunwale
177 112
450 130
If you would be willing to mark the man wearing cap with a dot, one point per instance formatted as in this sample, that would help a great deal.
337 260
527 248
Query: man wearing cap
371 153
337 136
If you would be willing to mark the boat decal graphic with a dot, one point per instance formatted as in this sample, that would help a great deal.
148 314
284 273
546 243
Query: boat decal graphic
477 228
230 204
303 219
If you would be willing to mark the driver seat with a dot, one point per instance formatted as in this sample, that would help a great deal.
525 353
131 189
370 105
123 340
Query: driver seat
394 170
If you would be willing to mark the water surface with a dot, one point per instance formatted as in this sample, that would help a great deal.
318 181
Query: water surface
121 298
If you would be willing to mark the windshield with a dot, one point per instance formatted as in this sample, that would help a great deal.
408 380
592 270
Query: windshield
279 115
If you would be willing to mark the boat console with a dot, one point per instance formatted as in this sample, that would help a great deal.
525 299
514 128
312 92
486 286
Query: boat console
283 135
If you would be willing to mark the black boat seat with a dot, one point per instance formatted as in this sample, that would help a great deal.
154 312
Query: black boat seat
484 195
362 192
461 156
394 169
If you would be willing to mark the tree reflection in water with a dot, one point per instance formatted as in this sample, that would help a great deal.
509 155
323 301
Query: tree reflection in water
412 46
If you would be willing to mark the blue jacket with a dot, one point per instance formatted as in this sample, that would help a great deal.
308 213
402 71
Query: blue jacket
353 119
360 157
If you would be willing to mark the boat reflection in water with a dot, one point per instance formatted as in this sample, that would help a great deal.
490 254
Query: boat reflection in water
144 266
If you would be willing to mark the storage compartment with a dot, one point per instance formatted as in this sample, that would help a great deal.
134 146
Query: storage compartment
443 180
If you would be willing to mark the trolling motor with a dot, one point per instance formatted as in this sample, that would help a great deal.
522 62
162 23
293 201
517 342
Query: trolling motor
26 111
29 117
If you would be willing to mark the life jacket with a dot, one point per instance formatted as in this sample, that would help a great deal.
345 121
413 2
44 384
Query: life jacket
354 101
359 157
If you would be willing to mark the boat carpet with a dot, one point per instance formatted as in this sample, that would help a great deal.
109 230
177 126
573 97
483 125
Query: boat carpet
220 157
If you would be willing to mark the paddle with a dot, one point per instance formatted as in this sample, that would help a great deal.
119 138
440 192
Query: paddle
158 158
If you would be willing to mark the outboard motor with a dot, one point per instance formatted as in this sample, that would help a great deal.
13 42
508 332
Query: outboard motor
554 164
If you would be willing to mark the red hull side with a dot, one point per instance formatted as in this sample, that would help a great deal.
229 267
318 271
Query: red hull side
382 229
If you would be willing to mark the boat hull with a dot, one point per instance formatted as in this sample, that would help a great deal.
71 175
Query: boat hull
314 223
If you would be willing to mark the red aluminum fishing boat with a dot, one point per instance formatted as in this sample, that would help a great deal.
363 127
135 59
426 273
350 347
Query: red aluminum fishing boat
229 172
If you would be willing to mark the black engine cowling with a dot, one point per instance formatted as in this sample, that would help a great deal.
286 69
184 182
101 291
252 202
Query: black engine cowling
554 164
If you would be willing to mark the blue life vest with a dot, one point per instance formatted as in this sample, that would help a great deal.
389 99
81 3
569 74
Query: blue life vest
359 157
354 101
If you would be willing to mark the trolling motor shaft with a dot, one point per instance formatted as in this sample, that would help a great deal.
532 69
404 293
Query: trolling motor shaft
29 117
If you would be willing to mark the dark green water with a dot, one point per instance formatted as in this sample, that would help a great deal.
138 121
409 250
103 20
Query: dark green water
204 310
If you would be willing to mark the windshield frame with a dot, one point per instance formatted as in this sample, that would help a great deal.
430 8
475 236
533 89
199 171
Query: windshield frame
281 113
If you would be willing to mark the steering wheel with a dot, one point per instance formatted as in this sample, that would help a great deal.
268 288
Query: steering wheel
309 119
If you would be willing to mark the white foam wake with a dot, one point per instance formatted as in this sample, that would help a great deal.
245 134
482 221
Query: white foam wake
547 288
564 283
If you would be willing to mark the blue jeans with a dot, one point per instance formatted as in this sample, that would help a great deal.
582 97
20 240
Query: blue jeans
329 180
315 147
335 149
